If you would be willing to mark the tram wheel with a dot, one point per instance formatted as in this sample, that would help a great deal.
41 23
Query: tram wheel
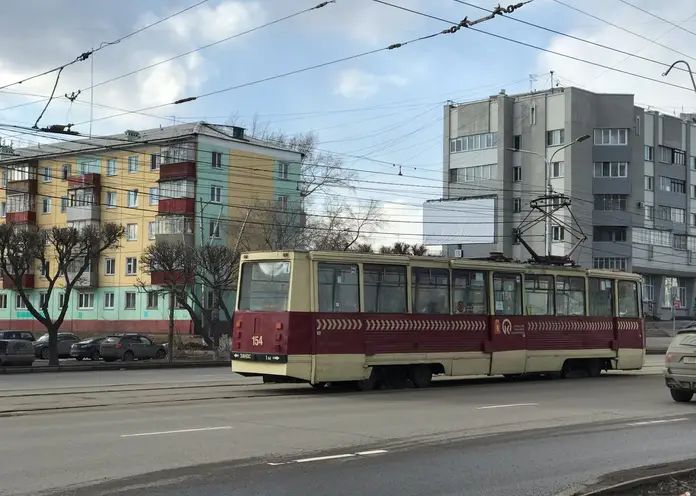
421 376
370 383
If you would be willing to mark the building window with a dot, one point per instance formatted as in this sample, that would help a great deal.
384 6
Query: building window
385 288
109 301
665 154
557 169
155 161
65 171
61 300
555 137
516 174
679 242
611 136
109 266
693 191
473 142
610 202
516 205
131 232
152 300
64 201
649 183
649 212
516 142
214 231
111 167
111 199
131 266
154 196
283 170
44 268
47 175
42 300
46 206
610 263
133 198
610 234
85 300
648 288
610 169
471 174
133 164
3 301
678 157
130 300
151 230
692 163
4 179
648 153
19 303
676 215
215 194
558 233
693 220
638 126
216 160
3 209
672 185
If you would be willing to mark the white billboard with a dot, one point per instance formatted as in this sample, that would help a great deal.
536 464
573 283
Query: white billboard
459 222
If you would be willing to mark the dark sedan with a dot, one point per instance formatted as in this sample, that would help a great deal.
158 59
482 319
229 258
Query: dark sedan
130 346
87 348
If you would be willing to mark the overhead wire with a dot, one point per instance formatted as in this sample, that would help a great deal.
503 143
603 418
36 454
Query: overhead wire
657 17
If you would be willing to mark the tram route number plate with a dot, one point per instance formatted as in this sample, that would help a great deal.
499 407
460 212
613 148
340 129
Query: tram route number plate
260 357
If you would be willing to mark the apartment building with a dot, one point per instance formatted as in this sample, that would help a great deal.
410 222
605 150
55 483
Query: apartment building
190 182
632 183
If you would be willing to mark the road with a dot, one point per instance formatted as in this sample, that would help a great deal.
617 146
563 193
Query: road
64 448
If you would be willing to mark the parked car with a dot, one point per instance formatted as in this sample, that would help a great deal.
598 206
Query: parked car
65 342
130 346
16 352
24 335
680 365
87 348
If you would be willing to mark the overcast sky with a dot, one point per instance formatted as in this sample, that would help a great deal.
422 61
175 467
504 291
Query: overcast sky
385 107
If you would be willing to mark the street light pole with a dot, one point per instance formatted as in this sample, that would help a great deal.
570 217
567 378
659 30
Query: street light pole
547 180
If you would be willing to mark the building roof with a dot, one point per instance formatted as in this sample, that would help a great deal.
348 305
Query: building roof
145 137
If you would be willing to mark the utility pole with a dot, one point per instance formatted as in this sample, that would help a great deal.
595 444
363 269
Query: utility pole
170 338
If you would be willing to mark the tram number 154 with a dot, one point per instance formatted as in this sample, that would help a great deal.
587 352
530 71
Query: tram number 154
257 340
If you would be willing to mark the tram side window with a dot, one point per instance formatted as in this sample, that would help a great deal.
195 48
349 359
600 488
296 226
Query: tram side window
507 294
601 293
628 299
470 292
430 288
385 288
539 291
339 288
570 296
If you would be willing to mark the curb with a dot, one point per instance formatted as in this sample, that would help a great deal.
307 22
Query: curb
116 366
630 484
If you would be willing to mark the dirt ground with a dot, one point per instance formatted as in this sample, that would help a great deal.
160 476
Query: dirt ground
674 486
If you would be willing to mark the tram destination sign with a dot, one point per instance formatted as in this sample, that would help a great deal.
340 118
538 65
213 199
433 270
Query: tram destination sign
260 357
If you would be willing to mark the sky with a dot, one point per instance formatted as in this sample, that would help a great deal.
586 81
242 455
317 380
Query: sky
381 112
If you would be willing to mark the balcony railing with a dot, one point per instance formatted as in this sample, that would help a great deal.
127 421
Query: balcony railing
27 282
90 180
178 170
27 217
180 206
80 213
167 278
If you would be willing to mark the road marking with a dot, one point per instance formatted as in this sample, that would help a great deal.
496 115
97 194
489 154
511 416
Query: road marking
653 422
227 427
506 406
330 457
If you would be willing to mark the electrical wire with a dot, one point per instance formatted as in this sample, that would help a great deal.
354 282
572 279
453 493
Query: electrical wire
657 17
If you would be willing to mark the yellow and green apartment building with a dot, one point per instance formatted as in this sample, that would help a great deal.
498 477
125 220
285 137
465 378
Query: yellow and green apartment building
168 183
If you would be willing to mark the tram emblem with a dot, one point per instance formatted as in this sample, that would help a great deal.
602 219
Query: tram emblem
507 327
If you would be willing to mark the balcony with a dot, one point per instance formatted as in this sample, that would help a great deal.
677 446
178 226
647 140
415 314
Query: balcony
177 170
83 213
27 282
27 217
89 279
22 186
90 180
174 206
166 278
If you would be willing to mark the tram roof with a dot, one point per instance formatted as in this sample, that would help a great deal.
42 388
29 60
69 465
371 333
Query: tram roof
428 261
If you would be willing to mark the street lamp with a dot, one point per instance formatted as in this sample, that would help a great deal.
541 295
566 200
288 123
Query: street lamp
547 174
687 66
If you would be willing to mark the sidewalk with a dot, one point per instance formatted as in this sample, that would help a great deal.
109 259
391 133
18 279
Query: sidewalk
89 366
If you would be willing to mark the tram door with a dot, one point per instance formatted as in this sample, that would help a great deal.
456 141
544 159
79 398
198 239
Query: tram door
507 327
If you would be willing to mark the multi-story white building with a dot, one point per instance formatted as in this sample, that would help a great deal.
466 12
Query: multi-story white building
632 183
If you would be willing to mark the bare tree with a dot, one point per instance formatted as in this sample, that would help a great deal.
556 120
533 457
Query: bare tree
176 262
271 226
217 268
64 254
363 248
341 226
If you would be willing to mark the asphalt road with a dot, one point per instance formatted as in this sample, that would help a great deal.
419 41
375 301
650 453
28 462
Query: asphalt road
61 449
536 463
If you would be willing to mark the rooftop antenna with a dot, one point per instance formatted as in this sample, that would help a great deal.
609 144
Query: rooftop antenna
551 81
532 80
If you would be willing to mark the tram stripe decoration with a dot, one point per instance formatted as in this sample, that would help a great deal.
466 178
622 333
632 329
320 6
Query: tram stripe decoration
347 324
